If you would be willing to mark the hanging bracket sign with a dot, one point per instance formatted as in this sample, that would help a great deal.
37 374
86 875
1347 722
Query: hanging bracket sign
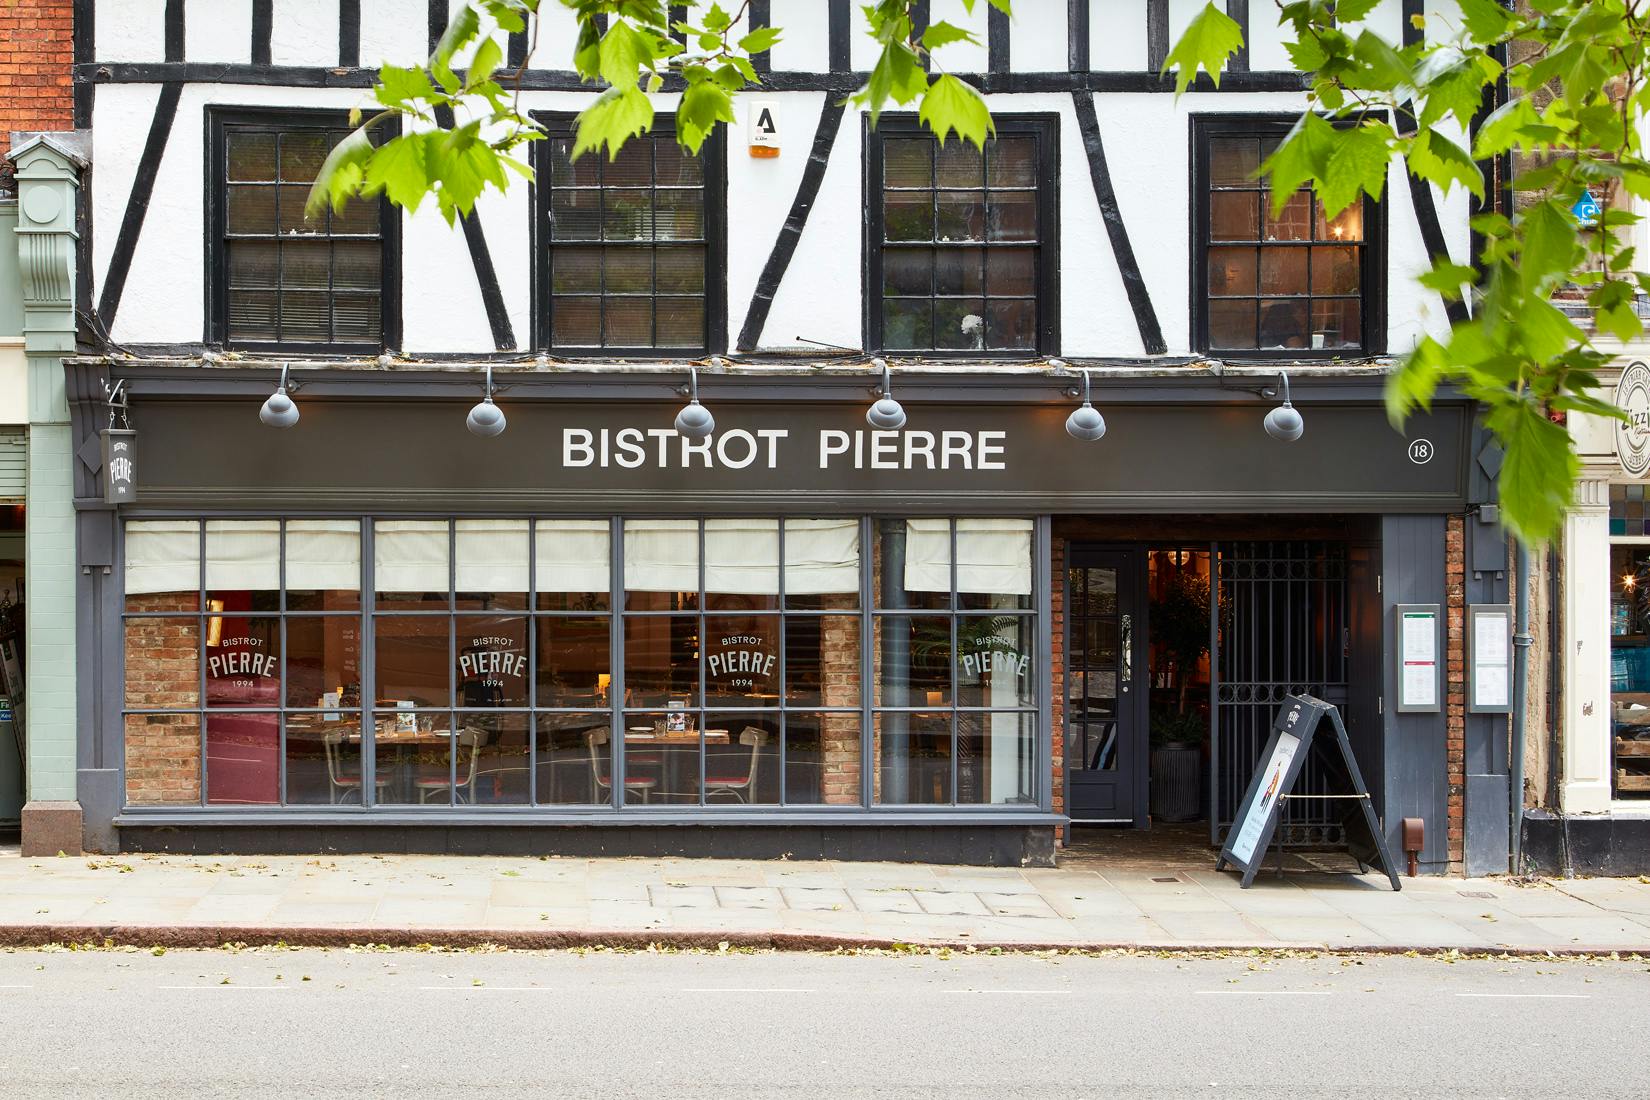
1293 731
119 465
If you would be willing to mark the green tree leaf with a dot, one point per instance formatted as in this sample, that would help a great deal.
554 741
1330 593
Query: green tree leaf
1538 475
618 114
1209 40
949 104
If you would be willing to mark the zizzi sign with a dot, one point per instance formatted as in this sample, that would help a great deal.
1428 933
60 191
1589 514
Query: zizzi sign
1633 433
769 448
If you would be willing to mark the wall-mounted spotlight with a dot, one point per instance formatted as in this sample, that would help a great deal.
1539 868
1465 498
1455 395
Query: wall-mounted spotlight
1085 421
694 421
486 419
885 412
279 411
1284 422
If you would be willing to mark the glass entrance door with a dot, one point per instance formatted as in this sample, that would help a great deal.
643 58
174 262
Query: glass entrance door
1105 677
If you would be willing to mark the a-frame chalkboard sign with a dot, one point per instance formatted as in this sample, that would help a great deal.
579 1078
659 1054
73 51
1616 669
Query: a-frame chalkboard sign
1292 742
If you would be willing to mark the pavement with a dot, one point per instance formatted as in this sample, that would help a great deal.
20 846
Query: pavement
560 902
702 1025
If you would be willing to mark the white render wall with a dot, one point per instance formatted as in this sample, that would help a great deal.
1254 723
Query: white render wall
1146 136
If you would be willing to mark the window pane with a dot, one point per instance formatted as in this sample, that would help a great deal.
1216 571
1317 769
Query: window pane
629 270
575 215
822 759
959 323
1011 162
908 216
822 661
572 564
1232 271
574 665
1283 324
1234 216
243 764
674 165
1337 324
908 161
359 216
680 269
994 563
323 661
680 322
565 171
996 758
1233 162
243 564
290 218
414 757
1232 324
1013 271
302 154
306 317
575 322
994 661
1294 222
243 660
741 564
491 569
305 265
163 759
251 155
251 210
958 271
913 758
913 661
661 564
627 216
1348 225
958 164
163 565
907 323
1335 271
323 759
1283 271
627 322
254 264
252 315
323 565
495 773
632 166
680 215
575 270
1013 216
662 757
163 663
574 758
492 660
661 661
356 317
1011 324
413 661
742 660
959 216
910 270
742 754
356 265
410 563
822 564
915 563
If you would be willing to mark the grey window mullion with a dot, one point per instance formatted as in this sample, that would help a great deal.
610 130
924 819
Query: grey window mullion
867 668
201 620
452 663
783 753
955 686
369 664
1043 581
702 640
532 663
280 581
615 636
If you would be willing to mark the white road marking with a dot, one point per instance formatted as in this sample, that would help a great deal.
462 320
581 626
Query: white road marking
1025 992
739 989
1532 996
16 987
236 988
1267 992
487 988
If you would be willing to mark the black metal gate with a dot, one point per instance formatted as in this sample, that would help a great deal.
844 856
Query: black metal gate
1279 627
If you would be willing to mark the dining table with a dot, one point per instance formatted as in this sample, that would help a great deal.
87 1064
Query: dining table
678 758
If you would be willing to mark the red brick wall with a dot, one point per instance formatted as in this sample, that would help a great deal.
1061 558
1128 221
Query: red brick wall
36 55
1455 686
163 751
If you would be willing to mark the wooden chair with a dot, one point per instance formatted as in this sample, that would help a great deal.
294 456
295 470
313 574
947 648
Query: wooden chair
602 780
742 787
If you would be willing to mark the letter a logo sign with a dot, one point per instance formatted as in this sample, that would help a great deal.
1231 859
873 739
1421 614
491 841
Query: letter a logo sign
764 128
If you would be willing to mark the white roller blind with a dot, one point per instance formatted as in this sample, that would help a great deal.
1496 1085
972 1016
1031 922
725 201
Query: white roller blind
162 556
572 555
821 556
323 555
661 555
243 555
993 556
409 556
742 556
492 555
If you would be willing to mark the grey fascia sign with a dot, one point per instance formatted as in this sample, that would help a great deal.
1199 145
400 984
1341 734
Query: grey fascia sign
1418 655
1489 658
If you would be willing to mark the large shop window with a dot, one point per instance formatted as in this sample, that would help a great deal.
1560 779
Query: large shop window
1630 641
279 279
503 662
630 250
959 248
1292 284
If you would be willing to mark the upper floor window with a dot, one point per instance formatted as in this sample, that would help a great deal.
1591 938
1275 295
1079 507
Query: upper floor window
1295 284
630 252
277 278
960 247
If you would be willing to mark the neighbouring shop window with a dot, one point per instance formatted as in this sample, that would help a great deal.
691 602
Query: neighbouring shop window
1292 283
498 662
959 239
630 244
279 278
1630 641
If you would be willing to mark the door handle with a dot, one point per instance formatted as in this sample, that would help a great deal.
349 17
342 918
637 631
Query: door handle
1126 630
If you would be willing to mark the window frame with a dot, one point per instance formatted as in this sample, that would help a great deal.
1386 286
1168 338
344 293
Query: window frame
219 120
1045 126
541 275
1372 270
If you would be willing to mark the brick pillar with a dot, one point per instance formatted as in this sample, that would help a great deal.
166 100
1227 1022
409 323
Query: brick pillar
1455 686
163 751
839 733
1057 679
36 85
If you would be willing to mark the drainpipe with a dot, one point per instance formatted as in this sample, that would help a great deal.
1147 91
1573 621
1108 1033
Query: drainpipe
1521 679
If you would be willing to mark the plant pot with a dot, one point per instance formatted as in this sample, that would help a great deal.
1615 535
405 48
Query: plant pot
1176 786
